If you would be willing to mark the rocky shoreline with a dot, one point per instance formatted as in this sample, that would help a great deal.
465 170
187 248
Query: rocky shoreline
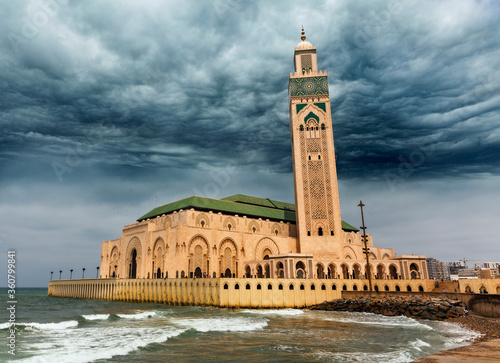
412 307
485 347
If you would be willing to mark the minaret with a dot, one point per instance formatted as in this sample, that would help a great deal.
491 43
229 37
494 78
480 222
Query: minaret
315 174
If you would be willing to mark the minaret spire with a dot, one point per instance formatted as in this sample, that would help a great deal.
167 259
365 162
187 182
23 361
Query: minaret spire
303 37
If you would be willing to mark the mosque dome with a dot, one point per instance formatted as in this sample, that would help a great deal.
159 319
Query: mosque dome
304 45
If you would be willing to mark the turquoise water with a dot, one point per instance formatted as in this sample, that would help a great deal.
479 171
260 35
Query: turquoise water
72 330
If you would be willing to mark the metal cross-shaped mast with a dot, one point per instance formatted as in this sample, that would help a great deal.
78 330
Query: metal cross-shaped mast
366 250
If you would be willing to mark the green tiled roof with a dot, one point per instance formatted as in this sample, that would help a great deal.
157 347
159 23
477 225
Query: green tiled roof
243 205
246 199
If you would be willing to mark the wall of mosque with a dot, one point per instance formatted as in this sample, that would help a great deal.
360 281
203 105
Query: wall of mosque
225 292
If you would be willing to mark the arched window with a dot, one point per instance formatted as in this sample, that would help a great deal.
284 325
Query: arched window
229 226
202 224
301 128
320 231
319 157
309 157
308 233
322 126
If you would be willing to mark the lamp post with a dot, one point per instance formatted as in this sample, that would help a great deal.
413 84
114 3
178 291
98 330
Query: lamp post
70 273
51 273
83 273
97 274
60 273
366 250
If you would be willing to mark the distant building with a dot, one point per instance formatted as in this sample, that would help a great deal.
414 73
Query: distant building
493 269
454 267
468 273
437 270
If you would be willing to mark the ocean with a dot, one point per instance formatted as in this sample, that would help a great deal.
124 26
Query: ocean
53 329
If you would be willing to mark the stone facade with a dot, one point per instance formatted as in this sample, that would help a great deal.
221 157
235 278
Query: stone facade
243 236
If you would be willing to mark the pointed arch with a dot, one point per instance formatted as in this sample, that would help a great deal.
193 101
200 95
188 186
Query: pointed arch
228 258
350 251
264 244
133 257
198 255
158 259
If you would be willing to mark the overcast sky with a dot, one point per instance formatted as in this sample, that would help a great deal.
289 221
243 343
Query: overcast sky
109 109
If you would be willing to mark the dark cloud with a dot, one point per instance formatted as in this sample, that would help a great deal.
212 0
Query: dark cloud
119 106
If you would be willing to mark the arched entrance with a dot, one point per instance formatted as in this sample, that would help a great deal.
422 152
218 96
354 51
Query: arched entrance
268 272
132 273
158 273
414 274
197 272
320 272
393 272
356 272
259 272
380 272
227 273
300 270
345 271
248 272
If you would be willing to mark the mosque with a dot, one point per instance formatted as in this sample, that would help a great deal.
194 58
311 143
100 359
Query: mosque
242 236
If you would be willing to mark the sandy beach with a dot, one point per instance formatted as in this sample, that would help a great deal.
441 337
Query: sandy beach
485 348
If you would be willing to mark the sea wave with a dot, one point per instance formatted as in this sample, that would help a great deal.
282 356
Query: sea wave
138 316
90 344
43 326
285 312
374 319
96 316
222 324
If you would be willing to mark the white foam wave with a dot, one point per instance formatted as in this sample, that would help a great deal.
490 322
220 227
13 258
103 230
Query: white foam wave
90 344
96 316
456 334
373 319
138 316
50 326
222 324
285 312
418 344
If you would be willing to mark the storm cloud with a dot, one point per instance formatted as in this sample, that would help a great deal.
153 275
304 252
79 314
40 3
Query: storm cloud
109 109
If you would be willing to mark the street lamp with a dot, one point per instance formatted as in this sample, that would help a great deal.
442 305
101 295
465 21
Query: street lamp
51 272
83 273
366 250
70 273
60 273
97 274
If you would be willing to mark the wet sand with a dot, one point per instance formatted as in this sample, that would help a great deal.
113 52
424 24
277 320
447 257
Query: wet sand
485 348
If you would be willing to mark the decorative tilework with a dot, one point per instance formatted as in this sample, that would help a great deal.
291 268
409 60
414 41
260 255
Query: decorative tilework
321 105
309 115
300 106
309 86
305 51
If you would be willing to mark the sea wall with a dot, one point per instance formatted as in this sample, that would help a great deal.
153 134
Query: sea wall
224 292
